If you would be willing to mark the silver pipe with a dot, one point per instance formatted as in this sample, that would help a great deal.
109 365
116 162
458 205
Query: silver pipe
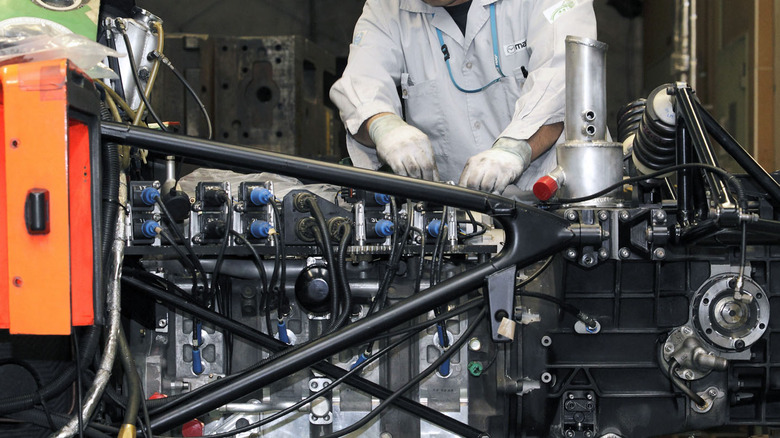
586 82
587 162
256 408
113 302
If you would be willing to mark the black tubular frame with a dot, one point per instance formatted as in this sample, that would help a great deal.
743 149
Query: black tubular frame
531 235
699 123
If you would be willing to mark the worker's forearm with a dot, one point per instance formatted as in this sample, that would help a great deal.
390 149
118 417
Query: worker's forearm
362 135
544 138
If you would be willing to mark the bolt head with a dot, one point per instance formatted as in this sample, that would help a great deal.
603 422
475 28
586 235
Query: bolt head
660 253
686 331
571 396
603 215
624 253
669 347
589 396
162 323
624 215
569 433
688 375
571 253
712 392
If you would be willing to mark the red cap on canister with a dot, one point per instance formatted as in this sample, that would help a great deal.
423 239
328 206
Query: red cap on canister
545 188
192 428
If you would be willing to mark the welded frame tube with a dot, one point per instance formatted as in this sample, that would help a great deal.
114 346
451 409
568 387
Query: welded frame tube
537 228
238 157
531 235
686 108
275 345
740 155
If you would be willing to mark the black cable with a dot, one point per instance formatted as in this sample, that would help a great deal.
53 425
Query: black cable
257 259
281 255
136 78
317 394
225 240
417 379
38 382
696 398
341 261
186 262
79 396
164 59
725 176
193 257
566 307
463 308
322 236
475 224
536 273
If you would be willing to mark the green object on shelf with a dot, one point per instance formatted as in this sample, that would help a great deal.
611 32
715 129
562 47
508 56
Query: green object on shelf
475 368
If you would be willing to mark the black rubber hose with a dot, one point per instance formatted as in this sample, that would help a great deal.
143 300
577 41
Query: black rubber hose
110 182
341 265
53 389
133 382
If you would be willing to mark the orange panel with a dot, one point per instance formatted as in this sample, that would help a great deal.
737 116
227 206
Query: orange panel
4 316
36 158
81 245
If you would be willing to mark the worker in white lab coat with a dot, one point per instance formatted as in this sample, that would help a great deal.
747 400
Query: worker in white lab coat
482 82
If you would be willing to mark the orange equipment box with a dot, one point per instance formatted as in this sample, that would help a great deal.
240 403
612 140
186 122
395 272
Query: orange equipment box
49 165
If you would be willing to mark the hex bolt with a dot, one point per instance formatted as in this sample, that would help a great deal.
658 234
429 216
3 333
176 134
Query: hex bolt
712 392
162 323
660 215
571 253
569 433
659 253
588 260
571 396
688 375
589 396
624 253
669 347
603 253
686 331
571 215
624 215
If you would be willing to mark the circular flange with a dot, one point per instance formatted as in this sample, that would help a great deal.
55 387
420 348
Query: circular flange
724 320
60 5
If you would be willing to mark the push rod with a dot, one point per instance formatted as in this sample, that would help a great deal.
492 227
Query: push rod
740 155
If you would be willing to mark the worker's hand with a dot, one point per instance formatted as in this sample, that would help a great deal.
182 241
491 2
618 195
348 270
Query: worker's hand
406 149
497 167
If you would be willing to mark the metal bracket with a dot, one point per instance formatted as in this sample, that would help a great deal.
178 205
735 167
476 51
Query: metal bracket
501 298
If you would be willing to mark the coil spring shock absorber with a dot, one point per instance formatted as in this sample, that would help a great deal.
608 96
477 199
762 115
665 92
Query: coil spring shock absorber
654 143
629 117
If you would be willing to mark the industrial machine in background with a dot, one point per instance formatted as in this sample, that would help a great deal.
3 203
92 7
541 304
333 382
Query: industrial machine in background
632 297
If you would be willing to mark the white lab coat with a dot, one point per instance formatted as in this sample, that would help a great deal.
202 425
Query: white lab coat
395 44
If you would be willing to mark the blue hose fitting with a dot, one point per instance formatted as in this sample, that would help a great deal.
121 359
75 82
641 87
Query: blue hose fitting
259 229
362 358
434 228
283 332
444 368
261 196
149 229
149 195
384 228
381 199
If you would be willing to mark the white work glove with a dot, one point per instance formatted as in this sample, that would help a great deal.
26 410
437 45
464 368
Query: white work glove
494 169
403 147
